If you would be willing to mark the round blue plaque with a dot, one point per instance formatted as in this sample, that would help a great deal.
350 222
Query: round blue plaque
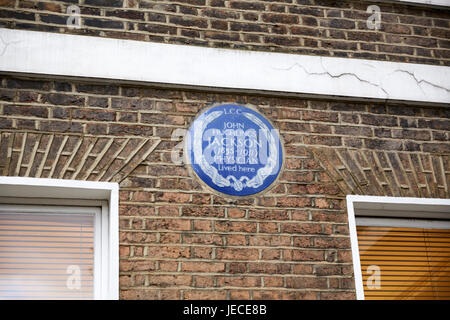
234 149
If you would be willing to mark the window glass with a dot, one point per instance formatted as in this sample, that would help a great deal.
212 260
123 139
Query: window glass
404 263
46 256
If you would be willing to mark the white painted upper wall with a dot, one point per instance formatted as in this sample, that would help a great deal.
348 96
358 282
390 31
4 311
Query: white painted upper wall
428 2
46 53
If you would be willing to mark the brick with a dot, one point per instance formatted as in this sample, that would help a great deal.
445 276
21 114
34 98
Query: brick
235 281
18 15
157 118
219 13
353 131
104 3
60 126
304 255
236 254
97 89
236 240
268 214
293 202
95 115
247 5
25 124
221 36
6 95
411 134
96 128
376 120
302 228
138 294
97 102
142 265
324 140
172 197
306 282
33 111
383 144
204 211
163 281
103 23
63 99
438 124
54 19
122 129
168 224
436 147
60 113
332 242
127 14
204 281
205 295
196 266
168 252
206 239
280 18
27 84
188 22
339 24
234 226
239 295
27 96
7 3
236 213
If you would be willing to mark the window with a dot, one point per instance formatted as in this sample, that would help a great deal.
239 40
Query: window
48 252
59 240
400 247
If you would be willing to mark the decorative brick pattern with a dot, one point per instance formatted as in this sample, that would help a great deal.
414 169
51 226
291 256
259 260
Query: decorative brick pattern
58 156
315 27
388 173
179 241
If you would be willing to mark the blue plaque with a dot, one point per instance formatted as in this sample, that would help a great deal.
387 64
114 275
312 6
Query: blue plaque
234 149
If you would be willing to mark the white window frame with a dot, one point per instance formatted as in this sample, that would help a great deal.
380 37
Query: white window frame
36 194
391 211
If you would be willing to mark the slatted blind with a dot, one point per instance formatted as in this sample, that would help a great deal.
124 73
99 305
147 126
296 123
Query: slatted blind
414 263
41 254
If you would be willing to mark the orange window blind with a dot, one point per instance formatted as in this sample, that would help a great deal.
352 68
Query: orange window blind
46 256
404 263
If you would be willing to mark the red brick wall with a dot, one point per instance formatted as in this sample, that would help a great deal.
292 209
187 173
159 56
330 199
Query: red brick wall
316 27
179 241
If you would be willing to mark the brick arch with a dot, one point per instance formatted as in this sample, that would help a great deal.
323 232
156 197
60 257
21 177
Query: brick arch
78 157
387 173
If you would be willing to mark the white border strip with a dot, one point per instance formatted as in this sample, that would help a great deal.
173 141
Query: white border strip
355 251
442 3
403 223
34 52
434 207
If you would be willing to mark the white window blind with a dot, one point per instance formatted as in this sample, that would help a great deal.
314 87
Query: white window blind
47 252
402 261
